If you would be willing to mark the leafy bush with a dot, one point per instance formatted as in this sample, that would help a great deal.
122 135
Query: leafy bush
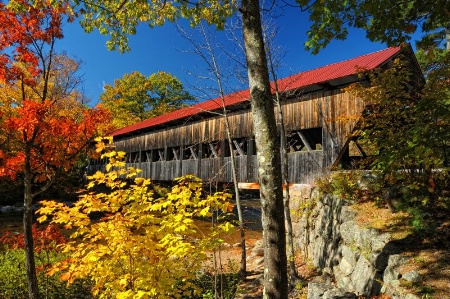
143 245
13 279
343 184
406 126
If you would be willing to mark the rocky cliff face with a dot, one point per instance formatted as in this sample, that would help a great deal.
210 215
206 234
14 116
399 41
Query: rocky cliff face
359 261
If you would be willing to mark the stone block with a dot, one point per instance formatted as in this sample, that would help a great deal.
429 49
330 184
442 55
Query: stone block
347 213
338 294
363 276
412 276
351 256
345 267
348 231
343 281
316 290
378 242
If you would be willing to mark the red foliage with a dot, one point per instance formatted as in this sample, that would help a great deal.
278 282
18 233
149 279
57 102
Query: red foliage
55 139
45 239
21 25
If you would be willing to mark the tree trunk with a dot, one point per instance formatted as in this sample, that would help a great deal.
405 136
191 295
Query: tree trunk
33 290
284 167
243 268
287 212
268 146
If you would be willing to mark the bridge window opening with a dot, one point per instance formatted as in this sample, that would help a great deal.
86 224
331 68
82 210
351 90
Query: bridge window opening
159 155
173 153
150 156
251 146
353 154
225 148
190 152
132 157
239 147
100 161
144 156
211 149
304 140
127 158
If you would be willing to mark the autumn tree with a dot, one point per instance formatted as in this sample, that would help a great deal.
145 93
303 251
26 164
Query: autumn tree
135 97
40 137
144 245
120 19
65 83
65 90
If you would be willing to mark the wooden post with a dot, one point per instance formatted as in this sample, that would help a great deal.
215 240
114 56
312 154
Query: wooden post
199 161
149 163
223 148
180 162
250 150
140 160
166 151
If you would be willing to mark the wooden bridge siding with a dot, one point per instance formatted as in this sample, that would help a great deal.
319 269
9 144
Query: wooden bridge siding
335 111
320 109
328 109
192 133
304 167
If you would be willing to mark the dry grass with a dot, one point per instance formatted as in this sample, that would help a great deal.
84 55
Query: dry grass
371 216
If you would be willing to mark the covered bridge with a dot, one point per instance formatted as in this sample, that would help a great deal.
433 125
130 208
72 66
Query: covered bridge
318 115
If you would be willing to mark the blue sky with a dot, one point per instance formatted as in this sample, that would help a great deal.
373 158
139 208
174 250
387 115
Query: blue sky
162 49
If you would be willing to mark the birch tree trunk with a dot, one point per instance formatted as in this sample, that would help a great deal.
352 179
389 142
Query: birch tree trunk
268 149
268 39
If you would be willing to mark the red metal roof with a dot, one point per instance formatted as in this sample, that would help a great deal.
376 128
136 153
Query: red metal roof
301 80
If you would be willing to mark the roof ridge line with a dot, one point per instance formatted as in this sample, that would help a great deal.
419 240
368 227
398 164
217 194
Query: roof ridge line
346 60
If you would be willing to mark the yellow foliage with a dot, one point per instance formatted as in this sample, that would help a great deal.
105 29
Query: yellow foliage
143 246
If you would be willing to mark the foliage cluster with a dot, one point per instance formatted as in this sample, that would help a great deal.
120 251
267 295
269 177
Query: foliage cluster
344 184
135 97
46 239
142 245
13 272
406 126
119 21
44 121
391 22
